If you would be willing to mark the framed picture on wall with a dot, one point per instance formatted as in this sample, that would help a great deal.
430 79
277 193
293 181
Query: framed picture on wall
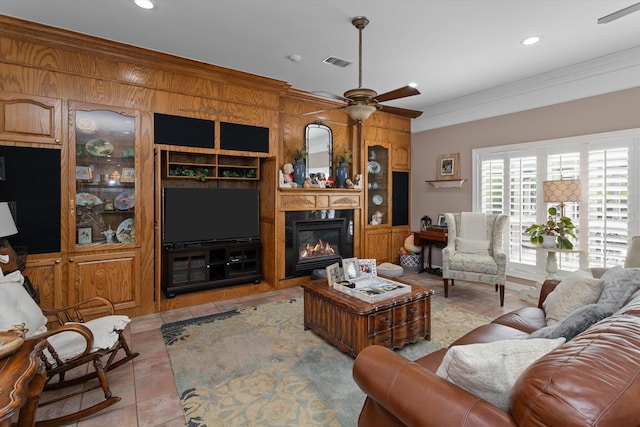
449 166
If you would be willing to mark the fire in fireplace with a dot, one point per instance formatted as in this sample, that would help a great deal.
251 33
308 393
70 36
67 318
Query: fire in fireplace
316 242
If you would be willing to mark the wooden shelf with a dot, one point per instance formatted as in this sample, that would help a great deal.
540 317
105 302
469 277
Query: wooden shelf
205 166
447 183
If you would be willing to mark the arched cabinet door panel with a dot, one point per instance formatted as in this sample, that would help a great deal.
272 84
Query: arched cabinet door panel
34 119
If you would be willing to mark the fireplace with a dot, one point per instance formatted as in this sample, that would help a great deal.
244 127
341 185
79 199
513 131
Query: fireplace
316 240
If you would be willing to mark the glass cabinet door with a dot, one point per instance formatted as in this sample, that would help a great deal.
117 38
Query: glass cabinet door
105 177
378 191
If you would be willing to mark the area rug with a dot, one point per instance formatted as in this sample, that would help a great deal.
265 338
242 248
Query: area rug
259 367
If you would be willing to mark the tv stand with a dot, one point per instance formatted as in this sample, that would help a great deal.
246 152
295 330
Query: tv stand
189 268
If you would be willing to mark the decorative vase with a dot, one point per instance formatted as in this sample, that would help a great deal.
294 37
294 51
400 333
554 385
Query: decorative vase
548 241
299 172
342 172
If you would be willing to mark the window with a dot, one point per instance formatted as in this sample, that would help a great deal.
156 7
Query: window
508 179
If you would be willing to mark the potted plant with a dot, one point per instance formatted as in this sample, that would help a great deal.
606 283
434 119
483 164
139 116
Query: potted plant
342 170
554 232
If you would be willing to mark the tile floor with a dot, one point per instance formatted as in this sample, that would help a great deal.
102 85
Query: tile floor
146 386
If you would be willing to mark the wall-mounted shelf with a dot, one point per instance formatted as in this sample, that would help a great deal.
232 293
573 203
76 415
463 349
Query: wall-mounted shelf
447 183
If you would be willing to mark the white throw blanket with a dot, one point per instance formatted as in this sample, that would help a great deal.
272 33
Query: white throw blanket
473 226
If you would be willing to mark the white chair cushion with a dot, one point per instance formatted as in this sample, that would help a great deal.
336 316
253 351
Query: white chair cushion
472 246
475 263
105 336
17 306
473 225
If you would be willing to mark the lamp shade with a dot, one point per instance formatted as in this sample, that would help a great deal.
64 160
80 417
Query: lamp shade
568 190
7 226
359 112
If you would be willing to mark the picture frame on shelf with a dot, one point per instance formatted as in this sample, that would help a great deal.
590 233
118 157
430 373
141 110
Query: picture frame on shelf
83 173
368 266
84 236
128 175
442 222
334 274
449 166
350 268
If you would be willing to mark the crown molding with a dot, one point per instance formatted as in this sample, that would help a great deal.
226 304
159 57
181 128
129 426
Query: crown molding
598 76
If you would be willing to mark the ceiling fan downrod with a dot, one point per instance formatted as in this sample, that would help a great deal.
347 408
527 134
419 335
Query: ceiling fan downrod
360 22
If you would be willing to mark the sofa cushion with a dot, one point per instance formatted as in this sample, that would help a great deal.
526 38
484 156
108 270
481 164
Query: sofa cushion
592 380
576 322
618 285
576 290
526 319
489 370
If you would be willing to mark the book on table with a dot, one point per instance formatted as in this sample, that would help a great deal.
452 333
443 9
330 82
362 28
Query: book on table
371 288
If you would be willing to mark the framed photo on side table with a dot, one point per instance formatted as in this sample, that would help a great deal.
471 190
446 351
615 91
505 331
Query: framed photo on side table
350 268
334 274
368 266
441 220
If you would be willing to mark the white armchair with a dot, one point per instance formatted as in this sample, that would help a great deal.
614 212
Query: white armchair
474 250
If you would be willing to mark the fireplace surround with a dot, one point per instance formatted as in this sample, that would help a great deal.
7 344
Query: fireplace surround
316 239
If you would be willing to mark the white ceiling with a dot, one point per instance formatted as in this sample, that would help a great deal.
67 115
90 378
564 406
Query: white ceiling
455 50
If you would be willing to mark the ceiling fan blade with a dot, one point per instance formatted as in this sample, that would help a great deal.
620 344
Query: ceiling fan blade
619 14
328 95
403 92
405 112
322 111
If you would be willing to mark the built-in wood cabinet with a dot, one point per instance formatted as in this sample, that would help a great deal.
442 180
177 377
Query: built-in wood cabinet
33 119
387 200
104 248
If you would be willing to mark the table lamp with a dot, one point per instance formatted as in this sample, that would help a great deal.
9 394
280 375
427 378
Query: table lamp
561 191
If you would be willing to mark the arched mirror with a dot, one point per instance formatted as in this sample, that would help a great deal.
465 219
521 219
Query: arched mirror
319 145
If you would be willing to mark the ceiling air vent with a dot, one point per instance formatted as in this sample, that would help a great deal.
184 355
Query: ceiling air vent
336 61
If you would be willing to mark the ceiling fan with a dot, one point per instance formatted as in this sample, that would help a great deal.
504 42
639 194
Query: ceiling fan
362 102
619 14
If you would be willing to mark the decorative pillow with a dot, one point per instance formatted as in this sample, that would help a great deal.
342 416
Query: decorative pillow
576 290
618 285
472 246
17 306
576 322
489 370
409 244
633 253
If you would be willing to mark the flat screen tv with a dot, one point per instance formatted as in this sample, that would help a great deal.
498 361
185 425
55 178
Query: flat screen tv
194 215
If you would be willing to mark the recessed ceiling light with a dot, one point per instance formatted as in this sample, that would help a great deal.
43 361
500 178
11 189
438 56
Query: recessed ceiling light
530 40
145 4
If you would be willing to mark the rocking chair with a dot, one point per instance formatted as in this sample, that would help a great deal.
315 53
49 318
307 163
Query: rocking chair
73 344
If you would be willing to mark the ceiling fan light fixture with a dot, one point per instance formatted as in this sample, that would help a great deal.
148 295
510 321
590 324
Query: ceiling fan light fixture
530 40
359 112
144 4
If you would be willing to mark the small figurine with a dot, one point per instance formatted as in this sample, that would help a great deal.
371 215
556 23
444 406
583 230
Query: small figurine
287 169
348 183
109 234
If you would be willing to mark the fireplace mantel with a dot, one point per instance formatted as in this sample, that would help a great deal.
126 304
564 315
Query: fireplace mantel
301 199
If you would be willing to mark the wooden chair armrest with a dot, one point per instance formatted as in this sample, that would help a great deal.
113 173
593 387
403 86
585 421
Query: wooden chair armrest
72 313
70 327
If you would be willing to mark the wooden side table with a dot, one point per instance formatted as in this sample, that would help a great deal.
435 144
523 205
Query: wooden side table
551 267
22 378
432 236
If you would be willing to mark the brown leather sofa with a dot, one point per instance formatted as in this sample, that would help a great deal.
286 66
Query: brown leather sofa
591 380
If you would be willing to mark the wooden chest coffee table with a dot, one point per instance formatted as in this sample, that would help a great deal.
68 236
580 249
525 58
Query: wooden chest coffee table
351 324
